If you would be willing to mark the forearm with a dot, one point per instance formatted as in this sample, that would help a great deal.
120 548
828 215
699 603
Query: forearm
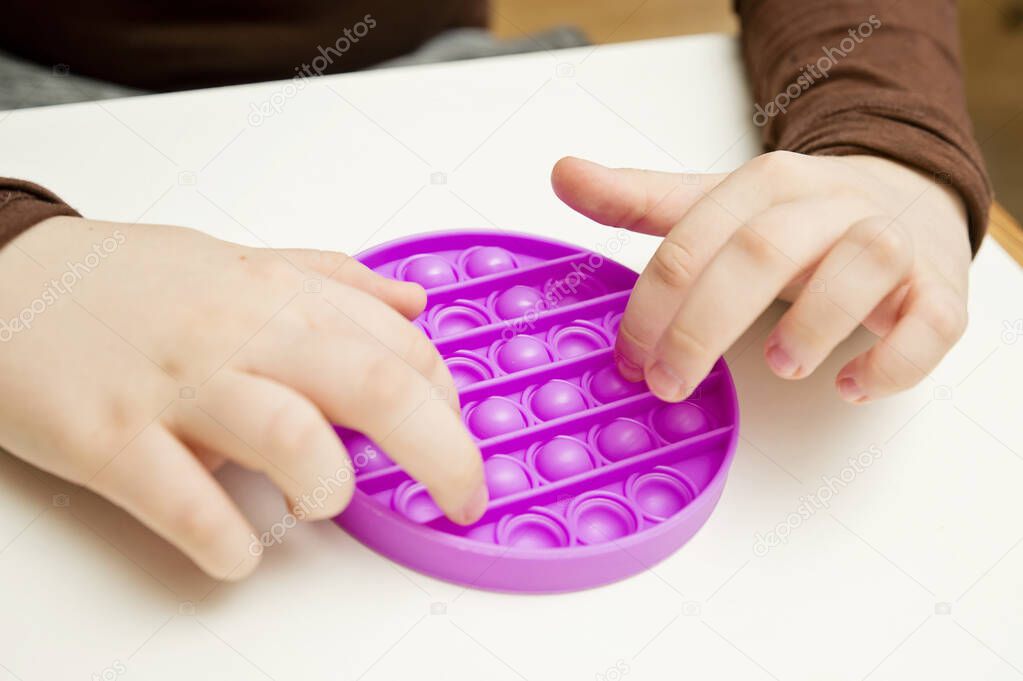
841 77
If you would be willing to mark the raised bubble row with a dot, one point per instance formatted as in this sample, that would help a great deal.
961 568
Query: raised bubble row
516 307
516 299
646 426
598 516
570 456
664 424
573 387
658 494
608 385
561 457
432 270
605 383
621 438
522 352
500 414
565 456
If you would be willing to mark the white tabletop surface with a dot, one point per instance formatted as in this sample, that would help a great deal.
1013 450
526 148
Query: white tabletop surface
915 569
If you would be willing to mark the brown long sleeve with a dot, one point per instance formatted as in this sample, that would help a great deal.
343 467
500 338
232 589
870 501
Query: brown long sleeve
882 77
23 204
829 76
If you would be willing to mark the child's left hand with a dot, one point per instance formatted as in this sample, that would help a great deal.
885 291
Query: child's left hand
851 240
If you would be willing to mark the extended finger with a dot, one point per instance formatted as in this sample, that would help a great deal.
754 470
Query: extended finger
158 480
380 326
862 269
269 427
932 319
406 297
644 201
365 386
738 284
681 257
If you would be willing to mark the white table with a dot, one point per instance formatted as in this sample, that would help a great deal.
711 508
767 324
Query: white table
914 571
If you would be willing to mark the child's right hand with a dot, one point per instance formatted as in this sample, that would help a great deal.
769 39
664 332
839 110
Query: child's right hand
173 351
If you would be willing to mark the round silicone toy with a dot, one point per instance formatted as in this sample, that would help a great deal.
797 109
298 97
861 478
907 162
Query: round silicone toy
591 477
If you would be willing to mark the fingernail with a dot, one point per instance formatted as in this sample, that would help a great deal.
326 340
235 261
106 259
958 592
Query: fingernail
781 362
475 507
850 390
665 383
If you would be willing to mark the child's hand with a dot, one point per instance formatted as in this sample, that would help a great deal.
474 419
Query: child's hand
174 351
850 240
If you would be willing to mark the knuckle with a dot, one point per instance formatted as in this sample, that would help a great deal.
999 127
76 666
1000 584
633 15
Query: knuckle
680 340
674 264
316 316
889 247
90 442
806 334
386 381
945 316
774 163
291 426
863 233
331 261
198 524
633 337
422 354
750 240
890 372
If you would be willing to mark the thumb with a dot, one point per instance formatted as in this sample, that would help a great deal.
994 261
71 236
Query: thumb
644 201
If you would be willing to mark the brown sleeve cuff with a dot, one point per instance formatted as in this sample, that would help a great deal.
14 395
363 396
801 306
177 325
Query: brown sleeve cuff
23 205
867 77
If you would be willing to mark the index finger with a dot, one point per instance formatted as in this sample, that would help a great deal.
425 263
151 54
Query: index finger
406 297
686 250
363 384
676 264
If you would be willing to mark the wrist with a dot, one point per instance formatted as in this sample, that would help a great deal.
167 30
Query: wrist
912 182
24 205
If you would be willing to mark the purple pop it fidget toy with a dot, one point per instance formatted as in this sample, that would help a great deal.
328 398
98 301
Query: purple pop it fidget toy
591 477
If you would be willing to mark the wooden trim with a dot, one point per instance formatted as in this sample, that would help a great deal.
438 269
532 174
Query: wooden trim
1006 231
